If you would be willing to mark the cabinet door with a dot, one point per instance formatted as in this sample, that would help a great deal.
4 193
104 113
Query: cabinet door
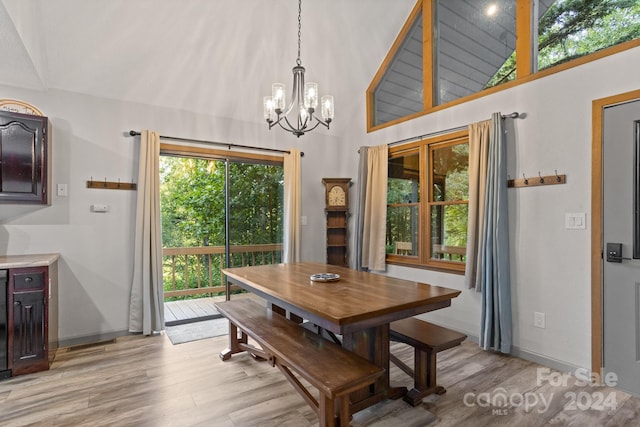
28 346
23 158
28 320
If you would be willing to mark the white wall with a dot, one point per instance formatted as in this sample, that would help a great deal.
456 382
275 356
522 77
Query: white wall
550 265
88 140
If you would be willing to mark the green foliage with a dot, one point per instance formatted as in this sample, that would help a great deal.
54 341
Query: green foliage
573 28
192 204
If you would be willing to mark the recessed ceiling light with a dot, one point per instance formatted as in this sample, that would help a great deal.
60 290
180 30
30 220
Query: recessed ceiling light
492 9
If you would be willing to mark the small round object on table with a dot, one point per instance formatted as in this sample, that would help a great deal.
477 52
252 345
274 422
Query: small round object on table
325 277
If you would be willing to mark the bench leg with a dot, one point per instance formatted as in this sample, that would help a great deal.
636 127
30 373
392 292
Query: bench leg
234 342
327 412
424 380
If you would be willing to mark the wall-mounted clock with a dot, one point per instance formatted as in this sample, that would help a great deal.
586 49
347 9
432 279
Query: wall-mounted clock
15 106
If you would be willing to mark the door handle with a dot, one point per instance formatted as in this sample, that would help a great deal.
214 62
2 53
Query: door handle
614 253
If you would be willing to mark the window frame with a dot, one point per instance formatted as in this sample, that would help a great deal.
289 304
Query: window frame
215 154
424 149
526 70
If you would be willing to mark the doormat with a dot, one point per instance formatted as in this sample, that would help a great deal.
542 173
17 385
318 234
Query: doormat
194 331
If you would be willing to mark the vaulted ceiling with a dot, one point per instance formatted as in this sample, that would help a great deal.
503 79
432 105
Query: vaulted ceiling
206 56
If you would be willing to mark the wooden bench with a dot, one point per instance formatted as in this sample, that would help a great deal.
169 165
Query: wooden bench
334 371
427 340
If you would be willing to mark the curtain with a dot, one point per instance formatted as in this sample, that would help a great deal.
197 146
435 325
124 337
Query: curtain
374 212
360 198
292 207
479 134
146 308
488 232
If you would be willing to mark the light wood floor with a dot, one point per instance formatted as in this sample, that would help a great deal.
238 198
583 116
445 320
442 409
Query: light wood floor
147 381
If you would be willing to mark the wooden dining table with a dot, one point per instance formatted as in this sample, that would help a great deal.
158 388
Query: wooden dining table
359 307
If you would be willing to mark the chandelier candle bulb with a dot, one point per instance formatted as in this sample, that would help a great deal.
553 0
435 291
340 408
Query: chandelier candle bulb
269 109
303 116
277 93
327 108
311 95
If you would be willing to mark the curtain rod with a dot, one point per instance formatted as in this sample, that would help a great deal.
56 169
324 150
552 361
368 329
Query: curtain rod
513 115
224 144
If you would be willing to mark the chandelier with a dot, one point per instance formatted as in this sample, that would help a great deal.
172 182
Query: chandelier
304 101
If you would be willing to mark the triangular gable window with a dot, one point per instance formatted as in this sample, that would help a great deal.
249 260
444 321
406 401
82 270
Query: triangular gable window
399 92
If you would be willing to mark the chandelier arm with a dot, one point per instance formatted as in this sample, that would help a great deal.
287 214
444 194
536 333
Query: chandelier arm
272 123
320 122
297 132
304 128
296 129
291 130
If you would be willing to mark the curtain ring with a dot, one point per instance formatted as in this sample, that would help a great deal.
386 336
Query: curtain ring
526 181
541 178
557 176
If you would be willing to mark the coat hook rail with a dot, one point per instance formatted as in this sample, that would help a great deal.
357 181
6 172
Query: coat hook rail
534 181
111 185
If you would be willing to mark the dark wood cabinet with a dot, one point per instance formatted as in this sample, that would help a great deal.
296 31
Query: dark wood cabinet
24 158
28 320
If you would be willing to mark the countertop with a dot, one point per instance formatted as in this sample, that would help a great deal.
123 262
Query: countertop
21 261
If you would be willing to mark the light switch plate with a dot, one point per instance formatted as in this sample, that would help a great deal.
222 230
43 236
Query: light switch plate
62 190
575 221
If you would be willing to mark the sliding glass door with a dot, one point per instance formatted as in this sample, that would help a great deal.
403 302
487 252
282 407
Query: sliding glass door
217 213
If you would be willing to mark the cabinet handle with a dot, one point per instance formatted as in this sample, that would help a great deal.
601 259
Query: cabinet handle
28 279
16 303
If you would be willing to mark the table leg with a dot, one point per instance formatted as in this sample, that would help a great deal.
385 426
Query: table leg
373 344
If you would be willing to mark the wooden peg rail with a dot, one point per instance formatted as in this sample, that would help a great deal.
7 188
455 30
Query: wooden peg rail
111 185
535 181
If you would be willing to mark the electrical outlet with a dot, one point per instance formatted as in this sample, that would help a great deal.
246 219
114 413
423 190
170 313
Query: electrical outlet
539 320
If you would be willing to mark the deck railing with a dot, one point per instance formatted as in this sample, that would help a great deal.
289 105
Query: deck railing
198 270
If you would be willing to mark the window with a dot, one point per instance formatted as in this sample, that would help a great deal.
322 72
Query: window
399 93
471 43
570 29
427 202
450 51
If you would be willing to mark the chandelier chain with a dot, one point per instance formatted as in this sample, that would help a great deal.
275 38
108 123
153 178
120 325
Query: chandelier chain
298 61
